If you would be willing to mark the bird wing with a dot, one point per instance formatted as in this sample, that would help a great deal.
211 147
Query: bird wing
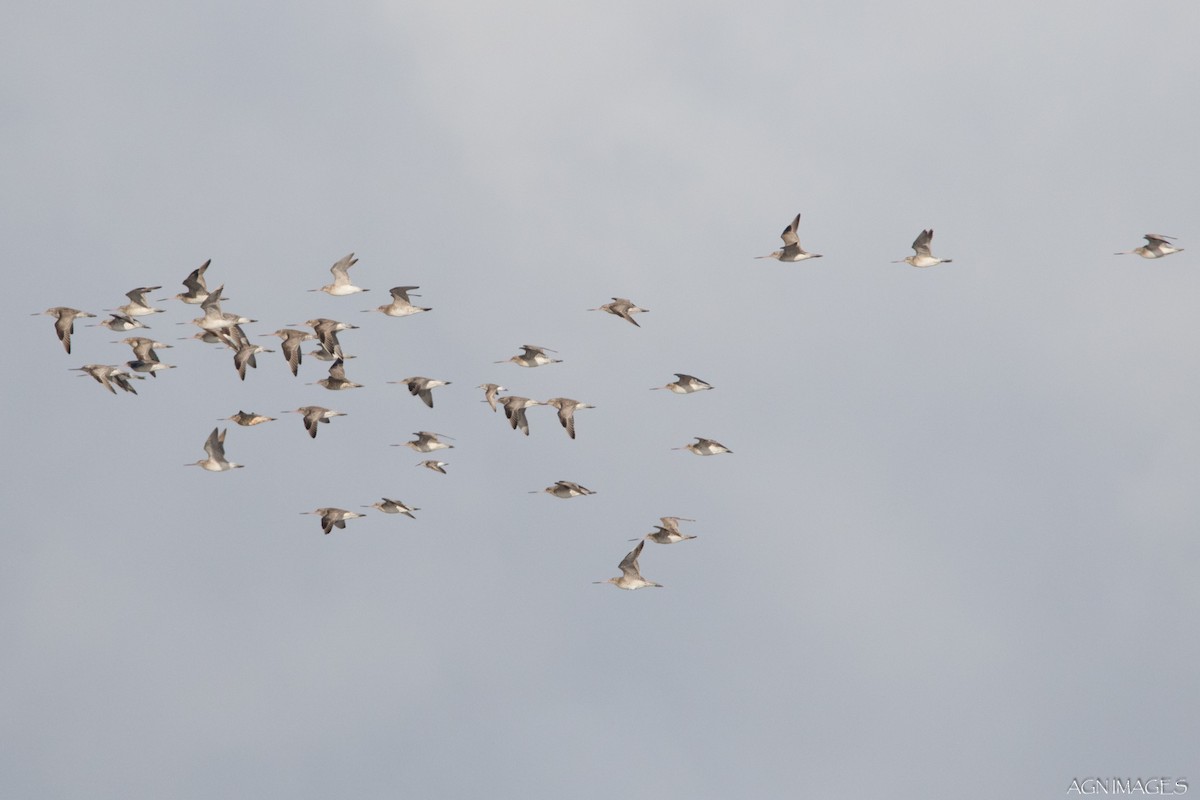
629 565
194 282
920 245
789 235
341 270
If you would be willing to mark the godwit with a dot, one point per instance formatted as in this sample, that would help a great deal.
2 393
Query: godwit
422 387
631 576
107 375
921 256
333 517
321 354
248 418
152 367
143 347
292 339
121 323
685 385
436 466
426 442
216 461
705 447
566 411
341 279
64 322
197 289
313 415
394 507
337 378
244 357
327 330
668 532
214 320
400 305
490 390
565 490
532 357
620 307
514 409
137 305
792 251
1156 247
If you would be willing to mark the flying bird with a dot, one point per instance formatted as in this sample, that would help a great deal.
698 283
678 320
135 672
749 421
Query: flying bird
422 387
64 322
400 305
566 411
922 257
333 517
394 507
313 415
514 409
705 447
1156 246
685 385
792 251
215 448
341 279
532 356
668 532
565 490
631 577
623 308
426 442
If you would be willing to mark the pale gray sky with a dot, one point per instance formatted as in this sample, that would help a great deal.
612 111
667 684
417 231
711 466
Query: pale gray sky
953 552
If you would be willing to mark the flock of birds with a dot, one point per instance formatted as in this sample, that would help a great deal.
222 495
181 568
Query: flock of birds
223 328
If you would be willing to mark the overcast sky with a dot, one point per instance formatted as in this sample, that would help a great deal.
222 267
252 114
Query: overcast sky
953 553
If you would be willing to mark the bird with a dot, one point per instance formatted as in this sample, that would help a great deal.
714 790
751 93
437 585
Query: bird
436 466
313 415
400 305
64 322
1156 247
152 367
490 391
792 251
216 461
337 378
620 307
422 387
705 447
426 442
143 347
921 256
197 289
514 409
137 305
685 385
107 375
532 357
326 331
321 354
565 490
668 532
216 321
631 577
333 517
292 339
566 411
248 418
244 357
394 507
121 322
341 279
